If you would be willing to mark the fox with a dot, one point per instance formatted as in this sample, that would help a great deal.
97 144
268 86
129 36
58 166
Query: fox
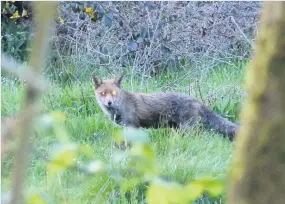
154 110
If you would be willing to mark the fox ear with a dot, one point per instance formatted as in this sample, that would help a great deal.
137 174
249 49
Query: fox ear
118 79
96 80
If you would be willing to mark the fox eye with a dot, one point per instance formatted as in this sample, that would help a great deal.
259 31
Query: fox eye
114 93
102 93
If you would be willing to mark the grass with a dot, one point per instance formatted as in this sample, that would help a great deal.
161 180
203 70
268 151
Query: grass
180 156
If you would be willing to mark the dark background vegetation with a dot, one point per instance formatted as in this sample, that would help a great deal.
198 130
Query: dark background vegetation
144 38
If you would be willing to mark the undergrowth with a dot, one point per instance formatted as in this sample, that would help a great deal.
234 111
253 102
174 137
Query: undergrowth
181 156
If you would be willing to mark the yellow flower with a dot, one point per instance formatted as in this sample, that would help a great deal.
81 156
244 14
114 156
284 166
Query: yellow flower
15 15
88 10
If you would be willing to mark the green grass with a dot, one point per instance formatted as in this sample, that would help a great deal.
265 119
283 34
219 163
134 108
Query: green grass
180 156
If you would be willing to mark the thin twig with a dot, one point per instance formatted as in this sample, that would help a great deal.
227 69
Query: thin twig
246 38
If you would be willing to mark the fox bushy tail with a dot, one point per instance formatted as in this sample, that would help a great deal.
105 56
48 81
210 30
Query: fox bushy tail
218 123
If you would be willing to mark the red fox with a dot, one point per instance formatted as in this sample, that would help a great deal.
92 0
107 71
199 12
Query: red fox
156 109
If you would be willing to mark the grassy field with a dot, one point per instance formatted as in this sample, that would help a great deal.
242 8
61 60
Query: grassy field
181 156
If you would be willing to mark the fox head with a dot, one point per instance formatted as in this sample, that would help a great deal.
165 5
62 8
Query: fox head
107 92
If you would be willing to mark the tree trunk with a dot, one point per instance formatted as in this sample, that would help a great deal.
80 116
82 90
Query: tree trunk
258 173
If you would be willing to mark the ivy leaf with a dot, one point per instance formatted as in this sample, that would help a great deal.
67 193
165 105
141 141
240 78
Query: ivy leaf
108 19
139 40
82 16
74 7
100 8
132 46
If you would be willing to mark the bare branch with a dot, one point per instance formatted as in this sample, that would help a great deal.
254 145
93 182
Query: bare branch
44 18
23 72
246 38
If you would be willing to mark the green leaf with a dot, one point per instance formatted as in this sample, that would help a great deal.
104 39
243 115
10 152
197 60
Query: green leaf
142 158
35 199
63 158
168 192
195 190
212 186
155 194
215 188
96 166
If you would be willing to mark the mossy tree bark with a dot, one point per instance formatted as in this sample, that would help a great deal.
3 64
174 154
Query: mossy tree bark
258 173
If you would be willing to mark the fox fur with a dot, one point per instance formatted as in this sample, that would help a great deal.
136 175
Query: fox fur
156 109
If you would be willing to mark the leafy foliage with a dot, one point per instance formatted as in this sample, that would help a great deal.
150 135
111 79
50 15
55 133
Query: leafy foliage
16 11
140 166
15 28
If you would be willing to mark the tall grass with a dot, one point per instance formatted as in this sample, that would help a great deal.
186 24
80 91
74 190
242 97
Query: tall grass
182 156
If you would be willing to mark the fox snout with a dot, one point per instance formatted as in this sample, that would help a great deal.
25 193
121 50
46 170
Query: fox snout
108 101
